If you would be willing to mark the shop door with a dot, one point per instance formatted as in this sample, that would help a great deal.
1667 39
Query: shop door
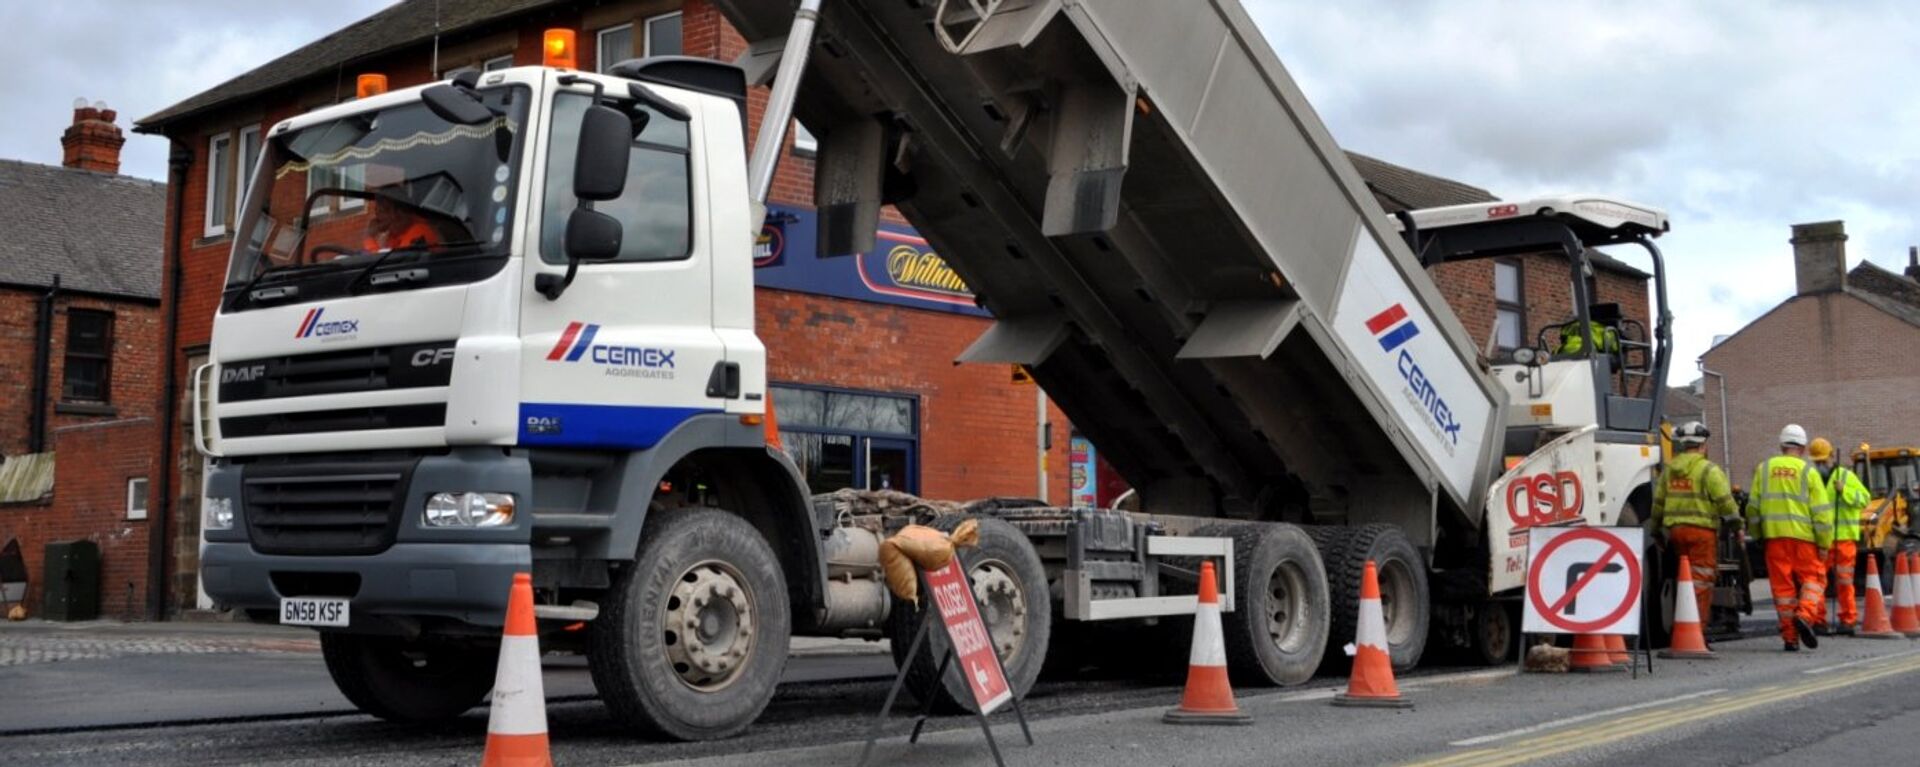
889 465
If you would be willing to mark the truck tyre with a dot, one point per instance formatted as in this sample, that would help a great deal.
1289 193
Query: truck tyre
1277 632
694 633
1011 587
414 682
1332 541
1495 632
1403 592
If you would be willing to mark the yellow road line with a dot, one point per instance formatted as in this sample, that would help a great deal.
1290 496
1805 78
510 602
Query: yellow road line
1564 741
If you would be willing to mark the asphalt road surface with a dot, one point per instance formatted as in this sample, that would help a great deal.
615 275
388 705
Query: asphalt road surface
266 701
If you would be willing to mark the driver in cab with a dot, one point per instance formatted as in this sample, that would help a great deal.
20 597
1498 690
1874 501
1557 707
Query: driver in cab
390 226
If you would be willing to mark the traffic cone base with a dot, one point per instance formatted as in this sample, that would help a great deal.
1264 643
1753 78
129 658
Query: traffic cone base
1591 655
1371 684
1689 641
517 724
1874 623
1617 650
1208 697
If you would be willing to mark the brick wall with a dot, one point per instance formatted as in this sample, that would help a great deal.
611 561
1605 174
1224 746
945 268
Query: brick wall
1830 362
976 426
1546 286
95 453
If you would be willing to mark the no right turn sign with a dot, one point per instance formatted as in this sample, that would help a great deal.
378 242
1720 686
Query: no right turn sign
1583 580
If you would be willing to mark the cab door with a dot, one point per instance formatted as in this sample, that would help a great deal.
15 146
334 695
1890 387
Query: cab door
626 353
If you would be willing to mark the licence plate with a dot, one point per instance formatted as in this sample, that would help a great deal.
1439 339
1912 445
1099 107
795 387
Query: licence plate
314 611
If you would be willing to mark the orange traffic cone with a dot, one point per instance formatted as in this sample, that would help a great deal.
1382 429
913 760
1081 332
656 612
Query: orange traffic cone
517 727
1875 625
1617 650
1208 698
1689 640
1912 627
1371 683
1591 655
1905 620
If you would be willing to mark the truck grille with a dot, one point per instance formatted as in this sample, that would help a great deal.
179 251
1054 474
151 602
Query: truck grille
351 370
350 419
324 508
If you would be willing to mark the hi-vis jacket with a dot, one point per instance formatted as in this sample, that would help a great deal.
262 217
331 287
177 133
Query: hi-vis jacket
1850 497
1788 500
1692 491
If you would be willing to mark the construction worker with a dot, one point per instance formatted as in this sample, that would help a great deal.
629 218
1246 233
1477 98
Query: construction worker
1688 502
1850 497
1789 510
1598 335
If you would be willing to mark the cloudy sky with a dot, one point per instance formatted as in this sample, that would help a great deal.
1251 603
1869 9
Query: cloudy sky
1740 118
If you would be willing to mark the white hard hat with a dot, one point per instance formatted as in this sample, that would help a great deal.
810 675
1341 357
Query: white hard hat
1793 435
1691 433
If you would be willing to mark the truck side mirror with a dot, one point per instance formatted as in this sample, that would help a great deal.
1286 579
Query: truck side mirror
592 236
600 161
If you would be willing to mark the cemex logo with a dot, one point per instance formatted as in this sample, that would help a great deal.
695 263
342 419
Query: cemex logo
577 341
1393 329
315 326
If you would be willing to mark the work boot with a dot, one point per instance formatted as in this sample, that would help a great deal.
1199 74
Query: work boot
1821 630
1801 627
1843 631
1791 647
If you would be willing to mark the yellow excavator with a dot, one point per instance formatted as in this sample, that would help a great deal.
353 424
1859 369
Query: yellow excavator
1892 475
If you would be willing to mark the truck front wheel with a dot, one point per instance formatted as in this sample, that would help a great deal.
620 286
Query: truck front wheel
408 681
694 634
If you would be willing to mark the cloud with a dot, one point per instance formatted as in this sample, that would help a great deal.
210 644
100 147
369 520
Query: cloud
140 57
1739 118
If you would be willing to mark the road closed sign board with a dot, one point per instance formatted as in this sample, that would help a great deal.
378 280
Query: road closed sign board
1583 580
971 643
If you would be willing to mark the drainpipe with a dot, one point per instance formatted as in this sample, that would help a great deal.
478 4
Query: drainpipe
1726 433
42 368
158 535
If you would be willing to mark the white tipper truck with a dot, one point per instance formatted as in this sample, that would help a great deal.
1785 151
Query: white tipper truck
505 323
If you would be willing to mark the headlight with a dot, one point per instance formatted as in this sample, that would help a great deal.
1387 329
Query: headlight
469 509
216 513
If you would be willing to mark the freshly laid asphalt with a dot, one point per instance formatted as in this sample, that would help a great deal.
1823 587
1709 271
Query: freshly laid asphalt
1854 701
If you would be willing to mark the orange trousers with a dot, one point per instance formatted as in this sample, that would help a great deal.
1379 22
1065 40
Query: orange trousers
1698 545
1798 578
1841 559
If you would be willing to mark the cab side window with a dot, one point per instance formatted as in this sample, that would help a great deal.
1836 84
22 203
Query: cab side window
656 210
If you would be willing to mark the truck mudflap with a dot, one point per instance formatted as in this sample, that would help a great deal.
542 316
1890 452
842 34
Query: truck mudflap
1556 486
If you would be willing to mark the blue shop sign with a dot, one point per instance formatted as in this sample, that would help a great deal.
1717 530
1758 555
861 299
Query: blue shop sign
902 269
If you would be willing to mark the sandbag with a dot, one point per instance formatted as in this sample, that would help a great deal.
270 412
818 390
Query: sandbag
914 546
967 535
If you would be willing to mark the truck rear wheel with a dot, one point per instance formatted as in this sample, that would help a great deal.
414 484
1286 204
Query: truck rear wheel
1403 591
1277 632
1495 633
408 681
1011 587
694 633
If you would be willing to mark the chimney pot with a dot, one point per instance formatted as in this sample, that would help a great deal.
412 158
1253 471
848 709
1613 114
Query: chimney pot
92 142
1820 257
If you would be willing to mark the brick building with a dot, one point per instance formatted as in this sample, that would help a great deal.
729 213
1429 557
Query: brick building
79 352
1836 357
860 348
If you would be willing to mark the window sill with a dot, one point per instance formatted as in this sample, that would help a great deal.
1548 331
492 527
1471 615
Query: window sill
85 408
210 240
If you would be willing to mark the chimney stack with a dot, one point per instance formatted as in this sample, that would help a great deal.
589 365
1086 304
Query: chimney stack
1820 257
1913 263
92 142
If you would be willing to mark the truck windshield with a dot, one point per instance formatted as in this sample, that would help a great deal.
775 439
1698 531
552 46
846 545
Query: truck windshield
399 186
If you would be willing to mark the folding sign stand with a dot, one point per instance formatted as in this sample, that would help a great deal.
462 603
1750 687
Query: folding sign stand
931 618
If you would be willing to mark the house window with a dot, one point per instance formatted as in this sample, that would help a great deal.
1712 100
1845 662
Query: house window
497 62
840 439
219 184
663 35
612 46
89 364
1510 306
804 144
137 498
249 157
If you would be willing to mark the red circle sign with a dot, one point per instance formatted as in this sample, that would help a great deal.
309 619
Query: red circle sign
1615 547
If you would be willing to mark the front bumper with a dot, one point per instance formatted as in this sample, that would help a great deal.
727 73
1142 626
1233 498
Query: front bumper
399 575
391 590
